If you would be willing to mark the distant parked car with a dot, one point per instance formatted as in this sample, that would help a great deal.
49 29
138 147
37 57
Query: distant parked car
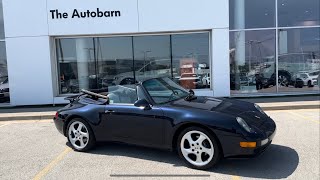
4 89
309 79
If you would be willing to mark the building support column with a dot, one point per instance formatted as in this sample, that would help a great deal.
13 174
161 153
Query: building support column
240 39
220 62
83 56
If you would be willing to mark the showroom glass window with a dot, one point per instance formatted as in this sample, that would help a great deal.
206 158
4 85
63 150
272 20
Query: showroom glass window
93 63
252 62
299 59
4 81
102 62
190 59
152 56
114 57
295 61
298 13
247 14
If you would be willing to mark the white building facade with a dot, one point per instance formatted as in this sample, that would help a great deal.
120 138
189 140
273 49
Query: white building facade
53 48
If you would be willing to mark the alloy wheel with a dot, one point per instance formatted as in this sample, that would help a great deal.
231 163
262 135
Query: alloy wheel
197 148
78 135
283 81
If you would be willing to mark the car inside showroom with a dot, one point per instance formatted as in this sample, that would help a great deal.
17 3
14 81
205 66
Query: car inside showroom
52 49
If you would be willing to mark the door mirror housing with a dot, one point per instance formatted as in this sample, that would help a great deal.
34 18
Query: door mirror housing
142 103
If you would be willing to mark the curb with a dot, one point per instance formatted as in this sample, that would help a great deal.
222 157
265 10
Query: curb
26 117
51 116
271 108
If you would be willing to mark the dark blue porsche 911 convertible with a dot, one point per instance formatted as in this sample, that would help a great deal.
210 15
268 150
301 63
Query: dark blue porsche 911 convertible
159 113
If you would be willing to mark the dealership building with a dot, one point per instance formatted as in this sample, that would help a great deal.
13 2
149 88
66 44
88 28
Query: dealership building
50 49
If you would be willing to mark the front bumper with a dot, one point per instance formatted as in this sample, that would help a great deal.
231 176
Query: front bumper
314 82
4 94
268 140
231 146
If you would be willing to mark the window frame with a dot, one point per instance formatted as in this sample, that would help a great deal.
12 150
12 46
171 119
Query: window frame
55 63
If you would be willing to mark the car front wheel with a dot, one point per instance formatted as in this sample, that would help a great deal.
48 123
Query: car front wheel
310 84
198 148
80 136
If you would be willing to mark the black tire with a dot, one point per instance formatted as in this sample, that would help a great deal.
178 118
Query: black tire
309 84
92 140
284 77
217 152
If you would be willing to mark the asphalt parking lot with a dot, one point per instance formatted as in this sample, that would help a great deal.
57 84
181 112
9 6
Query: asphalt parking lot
35 150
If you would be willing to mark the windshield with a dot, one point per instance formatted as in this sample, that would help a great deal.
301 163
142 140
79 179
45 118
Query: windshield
304 76
3 80
314 73
163 90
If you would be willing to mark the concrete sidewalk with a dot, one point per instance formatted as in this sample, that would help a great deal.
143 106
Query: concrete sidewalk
286 103
274 103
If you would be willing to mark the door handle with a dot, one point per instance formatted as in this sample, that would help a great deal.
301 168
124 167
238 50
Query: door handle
109 111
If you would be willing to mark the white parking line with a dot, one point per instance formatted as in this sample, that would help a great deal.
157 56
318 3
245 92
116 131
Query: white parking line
236 178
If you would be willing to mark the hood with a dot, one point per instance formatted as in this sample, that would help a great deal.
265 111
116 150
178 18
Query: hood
222 105
233 107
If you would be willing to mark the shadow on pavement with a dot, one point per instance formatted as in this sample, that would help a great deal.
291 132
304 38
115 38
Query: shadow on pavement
276 162
27 109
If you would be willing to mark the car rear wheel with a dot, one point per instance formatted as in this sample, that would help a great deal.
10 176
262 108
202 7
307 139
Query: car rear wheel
198 148
80 135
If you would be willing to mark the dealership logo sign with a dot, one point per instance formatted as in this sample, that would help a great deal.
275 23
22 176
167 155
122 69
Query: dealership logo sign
56 14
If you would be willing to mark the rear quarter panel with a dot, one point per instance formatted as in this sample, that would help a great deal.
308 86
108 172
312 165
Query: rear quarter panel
91 113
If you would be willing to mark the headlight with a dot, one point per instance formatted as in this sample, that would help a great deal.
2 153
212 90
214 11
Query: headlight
243 124
259 108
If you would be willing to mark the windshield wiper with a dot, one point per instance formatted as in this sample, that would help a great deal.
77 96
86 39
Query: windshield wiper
190 96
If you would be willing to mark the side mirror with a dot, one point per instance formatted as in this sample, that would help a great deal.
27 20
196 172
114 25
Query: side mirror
142 103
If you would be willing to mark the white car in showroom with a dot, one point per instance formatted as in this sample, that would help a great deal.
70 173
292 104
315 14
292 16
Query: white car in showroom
309 78
152 69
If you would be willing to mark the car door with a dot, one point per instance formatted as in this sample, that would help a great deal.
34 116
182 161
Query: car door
127 123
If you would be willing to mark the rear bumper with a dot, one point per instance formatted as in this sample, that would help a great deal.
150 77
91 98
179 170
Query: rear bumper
59 123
